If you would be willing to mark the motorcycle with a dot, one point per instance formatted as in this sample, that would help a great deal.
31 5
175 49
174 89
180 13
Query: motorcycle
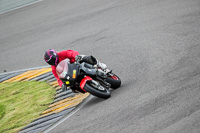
84 77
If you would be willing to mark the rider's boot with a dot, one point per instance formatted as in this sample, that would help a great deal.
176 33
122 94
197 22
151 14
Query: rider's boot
101 65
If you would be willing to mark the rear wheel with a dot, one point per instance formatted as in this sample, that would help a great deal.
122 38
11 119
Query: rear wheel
98 91
114 80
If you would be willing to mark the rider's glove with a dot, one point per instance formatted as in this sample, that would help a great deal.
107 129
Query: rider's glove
78 58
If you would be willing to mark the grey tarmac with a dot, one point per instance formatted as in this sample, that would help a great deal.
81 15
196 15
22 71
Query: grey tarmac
153 45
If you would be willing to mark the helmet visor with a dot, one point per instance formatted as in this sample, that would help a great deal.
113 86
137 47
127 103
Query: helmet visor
53 60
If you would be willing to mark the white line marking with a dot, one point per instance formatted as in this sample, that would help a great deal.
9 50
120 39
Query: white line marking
20 6
85 101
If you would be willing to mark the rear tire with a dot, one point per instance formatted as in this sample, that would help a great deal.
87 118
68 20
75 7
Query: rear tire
105 94
114 80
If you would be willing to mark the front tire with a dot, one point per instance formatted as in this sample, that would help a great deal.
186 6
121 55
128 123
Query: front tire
105 94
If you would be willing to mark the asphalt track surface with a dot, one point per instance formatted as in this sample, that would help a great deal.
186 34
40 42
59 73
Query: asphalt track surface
9 5
153 45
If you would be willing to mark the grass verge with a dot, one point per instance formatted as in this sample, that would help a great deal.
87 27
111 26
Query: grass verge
22 102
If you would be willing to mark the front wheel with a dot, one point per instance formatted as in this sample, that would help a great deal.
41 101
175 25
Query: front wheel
98 91
114 80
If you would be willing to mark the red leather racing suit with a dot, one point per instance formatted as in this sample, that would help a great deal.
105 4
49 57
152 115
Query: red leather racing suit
70 54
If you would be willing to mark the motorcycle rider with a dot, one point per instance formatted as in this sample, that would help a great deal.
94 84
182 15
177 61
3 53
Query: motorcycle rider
53 58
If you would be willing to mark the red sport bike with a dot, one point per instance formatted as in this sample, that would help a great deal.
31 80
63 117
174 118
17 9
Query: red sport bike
84 77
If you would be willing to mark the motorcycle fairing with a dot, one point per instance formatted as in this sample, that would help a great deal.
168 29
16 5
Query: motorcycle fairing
87 68
83 82
67 72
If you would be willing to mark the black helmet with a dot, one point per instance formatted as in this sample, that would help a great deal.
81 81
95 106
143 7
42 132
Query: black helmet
51 57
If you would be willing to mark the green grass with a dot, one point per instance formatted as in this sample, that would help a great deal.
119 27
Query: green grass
2 110
22 102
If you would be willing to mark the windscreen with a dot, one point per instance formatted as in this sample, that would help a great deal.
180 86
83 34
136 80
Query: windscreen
62 68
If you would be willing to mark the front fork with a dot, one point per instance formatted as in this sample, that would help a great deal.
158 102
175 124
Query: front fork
101 73
95 83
